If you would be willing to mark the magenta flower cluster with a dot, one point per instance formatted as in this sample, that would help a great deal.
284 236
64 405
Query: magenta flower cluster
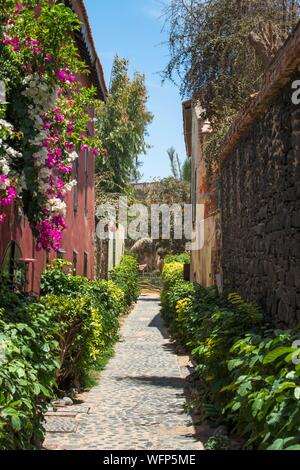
50 233
56 137
8 194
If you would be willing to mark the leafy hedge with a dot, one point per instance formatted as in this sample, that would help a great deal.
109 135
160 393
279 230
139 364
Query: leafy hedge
179 258
30 357
52 343
126 276
251 380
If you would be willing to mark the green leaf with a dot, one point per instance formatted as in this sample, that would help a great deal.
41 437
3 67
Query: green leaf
277 445
244 388
276 353
285 386
234 363
16 423
236 406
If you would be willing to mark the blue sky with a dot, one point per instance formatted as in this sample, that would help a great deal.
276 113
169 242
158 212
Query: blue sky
133 29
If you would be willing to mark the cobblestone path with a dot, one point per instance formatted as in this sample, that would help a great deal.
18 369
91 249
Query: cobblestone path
139 401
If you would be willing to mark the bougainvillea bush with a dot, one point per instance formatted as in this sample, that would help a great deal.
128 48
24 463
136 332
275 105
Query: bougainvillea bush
44 114
29 358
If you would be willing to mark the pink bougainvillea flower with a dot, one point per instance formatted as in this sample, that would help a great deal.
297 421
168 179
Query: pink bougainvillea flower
65 169
95 152
61 75
71 79
46 143
60 183
48 58
50 233
9 198
69 146
84 147
36 50
59 118
47 125
35 42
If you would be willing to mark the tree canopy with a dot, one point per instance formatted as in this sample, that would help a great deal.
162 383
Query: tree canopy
122 127
219 48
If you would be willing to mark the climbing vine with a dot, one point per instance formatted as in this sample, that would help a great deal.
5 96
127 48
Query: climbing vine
44 115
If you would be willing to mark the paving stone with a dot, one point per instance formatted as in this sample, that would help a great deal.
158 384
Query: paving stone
139 401
74 409
60 424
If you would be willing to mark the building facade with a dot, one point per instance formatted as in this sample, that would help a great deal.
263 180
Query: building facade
18 254
205 261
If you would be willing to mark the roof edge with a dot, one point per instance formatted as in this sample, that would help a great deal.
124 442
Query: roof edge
78 7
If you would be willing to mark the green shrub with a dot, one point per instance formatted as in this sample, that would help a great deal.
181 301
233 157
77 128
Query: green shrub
80 326
126 277
264 388
250 379
184 258
58 279
54 342
27 375
174 289
87 313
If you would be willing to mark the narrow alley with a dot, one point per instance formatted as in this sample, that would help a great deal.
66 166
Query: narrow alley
139 402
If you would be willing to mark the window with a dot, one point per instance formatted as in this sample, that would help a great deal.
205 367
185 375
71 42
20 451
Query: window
13 268
75 259
76 171
194 197
85 264
61 254
114 250
86 180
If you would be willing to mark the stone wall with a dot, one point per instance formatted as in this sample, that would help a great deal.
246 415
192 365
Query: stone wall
261 210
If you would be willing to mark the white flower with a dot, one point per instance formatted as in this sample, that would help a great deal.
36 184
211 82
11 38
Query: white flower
69 186
72 156
57 206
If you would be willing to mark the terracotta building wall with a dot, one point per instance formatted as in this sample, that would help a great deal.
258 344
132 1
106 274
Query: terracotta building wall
78 239
205 262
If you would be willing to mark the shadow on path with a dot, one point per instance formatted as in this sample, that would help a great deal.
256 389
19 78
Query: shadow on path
163 381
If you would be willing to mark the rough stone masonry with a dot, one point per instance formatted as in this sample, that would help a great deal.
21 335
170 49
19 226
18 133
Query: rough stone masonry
261 211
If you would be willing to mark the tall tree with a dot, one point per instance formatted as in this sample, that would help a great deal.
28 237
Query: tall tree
219 48
122 127
174 162
187 170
